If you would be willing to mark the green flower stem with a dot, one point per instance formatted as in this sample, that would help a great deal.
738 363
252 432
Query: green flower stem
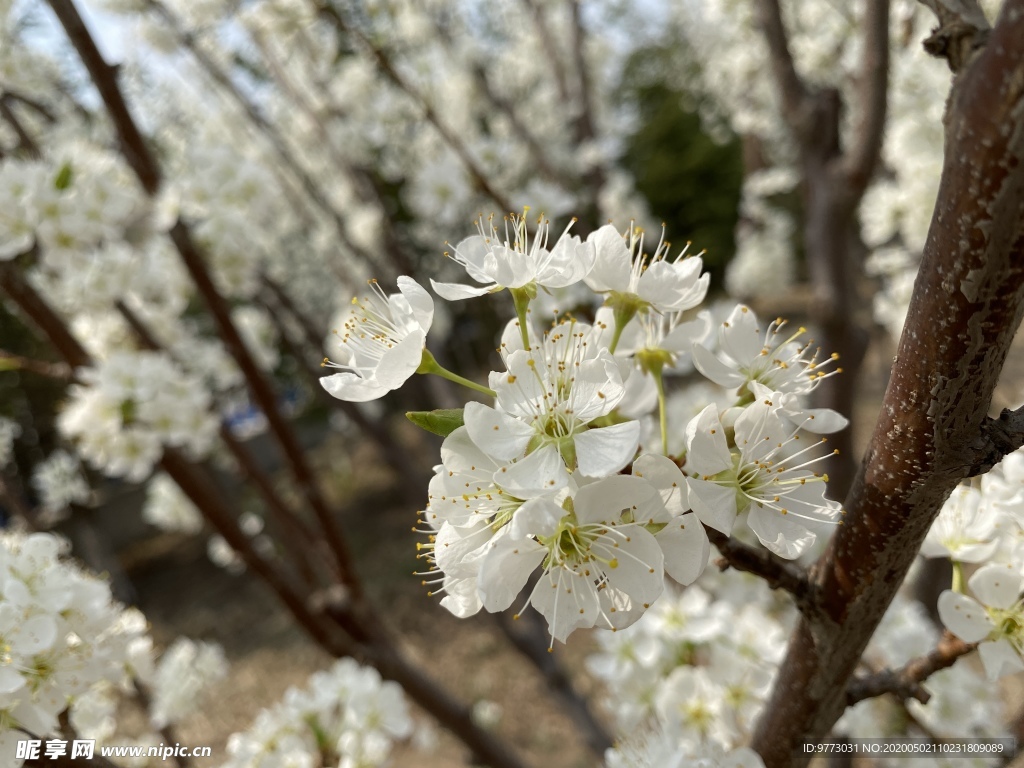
428 364
958 577
659 382
622 315
521 298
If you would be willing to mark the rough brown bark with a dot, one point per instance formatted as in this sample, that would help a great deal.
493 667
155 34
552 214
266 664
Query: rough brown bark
934 429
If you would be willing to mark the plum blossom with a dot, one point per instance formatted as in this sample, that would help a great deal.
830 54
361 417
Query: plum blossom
628 276
382 340
994 618
600 565
517 261
967 528
747 354
766 473
547 400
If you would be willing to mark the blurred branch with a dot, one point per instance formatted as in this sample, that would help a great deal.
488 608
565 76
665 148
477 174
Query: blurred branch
547 42
594 179
25 141
530 638
148 172
359 178
448 134
277 142
872 86
792 89
12 362
905 682
291 523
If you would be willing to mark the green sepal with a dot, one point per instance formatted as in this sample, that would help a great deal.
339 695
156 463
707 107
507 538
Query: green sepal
64 176
442 421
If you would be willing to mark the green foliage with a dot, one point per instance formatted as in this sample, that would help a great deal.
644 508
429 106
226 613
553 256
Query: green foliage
691 182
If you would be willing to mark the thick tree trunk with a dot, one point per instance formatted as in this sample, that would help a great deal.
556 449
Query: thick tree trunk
934 429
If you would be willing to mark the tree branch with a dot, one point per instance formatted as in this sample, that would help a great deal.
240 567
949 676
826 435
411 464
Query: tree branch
11 362
133 146
777 573
967 304
905 682
872 86
529 636
277 142
792 90
329 12
963 30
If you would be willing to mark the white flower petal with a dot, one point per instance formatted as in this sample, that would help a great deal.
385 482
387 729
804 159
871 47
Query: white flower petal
543 471
685 544
605 500
536 517
714 504
604 451
667 478
401 361
568 600
611 260
784 535
419 301
997 586
707 452
497 434
353 389
999 659
740 337
505 570
964 617
461 597
713 368
458 291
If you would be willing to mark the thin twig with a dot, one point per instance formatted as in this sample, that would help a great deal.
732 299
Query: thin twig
905 682
429 113
529 636
11 361
777 573
270 132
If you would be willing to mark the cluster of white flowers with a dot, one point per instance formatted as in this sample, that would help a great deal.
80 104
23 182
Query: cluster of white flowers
185 669
65 644
688 680
961 704
982 524
59 482
345 716
127 407
559 484
168 508
10 430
